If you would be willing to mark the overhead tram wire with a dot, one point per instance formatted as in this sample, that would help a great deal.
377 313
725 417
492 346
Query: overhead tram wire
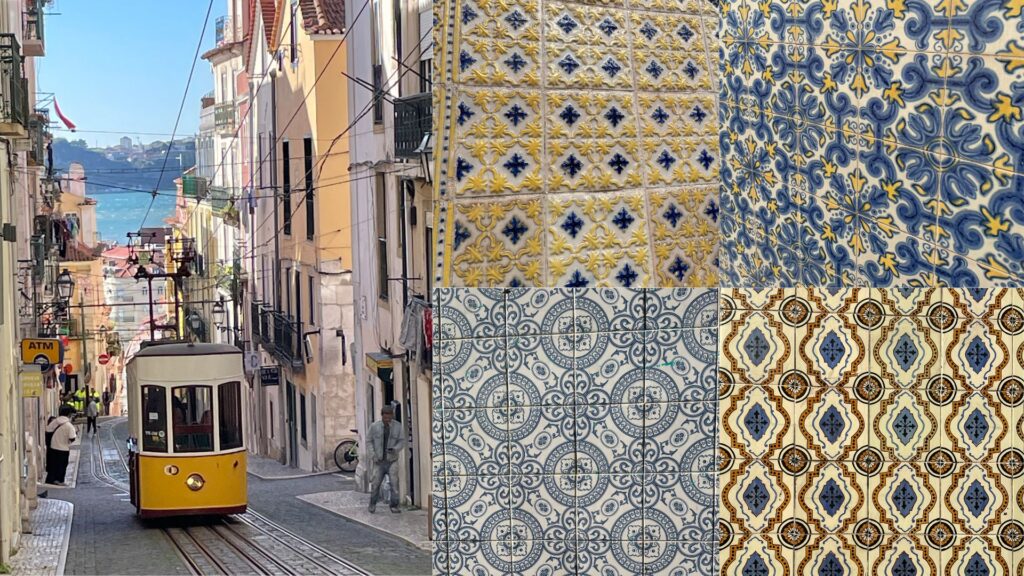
300 106
181 108
369 106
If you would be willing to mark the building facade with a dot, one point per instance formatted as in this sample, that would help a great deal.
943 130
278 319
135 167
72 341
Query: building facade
392 204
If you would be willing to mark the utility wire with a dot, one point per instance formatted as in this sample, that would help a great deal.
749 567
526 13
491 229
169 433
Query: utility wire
181 108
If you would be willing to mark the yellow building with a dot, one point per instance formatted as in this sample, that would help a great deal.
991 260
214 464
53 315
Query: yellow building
305 243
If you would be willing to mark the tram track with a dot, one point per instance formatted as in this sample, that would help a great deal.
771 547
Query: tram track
249 544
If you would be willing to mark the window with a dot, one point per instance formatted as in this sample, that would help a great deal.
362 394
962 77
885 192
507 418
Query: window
302 416
378 94
293 53
286 175
229 396
154 419
426 69
312 303
298 297
380 197
192 418
259 158
271 419
287 290
307 164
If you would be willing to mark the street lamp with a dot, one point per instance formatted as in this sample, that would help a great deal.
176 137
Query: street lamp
195 323
65 285
218 313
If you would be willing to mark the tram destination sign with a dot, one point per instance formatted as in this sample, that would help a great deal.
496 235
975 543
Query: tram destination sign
270 376
44 352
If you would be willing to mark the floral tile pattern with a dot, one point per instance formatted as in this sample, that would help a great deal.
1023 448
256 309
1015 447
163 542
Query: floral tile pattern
586 441
872 143
871 431
577 143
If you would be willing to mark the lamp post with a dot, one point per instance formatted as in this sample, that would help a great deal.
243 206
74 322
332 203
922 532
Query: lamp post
65 285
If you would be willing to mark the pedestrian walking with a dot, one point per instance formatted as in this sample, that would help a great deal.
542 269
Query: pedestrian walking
106 403
91 412
62 434
386 443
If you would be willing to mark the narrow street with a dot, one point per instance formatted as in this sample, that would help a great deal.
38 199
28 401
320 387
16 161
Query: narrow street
280 534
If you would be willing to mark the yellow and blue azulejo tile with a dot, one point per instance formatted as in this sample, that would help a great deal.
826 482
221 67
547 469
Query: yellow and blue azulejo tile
872 142
578 143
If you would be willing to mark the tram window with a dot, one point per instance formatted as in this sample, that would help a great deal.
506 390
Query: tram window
230 397
192 418
154 419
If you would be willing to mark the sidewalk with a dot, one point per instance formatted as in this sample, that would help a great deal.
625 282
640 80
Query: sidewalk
269 469
410 525
44 550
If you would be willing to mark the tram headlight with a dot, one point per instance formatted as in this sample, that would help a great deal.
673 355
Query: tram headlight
195 482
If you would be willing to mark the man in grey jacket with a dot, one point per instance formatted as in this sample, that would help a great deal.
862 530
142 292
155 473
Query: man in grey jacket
385 446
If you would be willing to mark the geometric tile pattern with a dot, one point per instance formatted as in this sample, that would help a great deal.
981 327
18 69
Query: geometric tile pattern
872 143
578 143
575 431
871 431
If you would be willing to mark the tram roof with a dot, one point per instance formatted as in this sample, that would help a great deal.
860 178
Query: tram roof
200 349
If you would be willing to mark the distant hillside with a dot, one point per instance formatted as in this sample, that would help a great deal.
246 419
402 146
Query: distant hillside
142 171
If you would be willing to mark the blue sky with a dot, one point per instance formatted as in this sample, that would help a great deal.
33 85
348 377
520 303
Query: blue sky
121 65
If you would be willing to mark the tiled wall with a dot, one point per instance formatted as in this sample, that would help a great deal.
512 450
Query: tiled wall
578 143
872 432
874 143
575 432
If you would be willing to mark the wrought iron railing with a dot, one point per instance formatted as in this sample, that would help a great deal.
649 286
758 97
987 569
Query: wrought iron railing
413 121
287 339
32 31
13 88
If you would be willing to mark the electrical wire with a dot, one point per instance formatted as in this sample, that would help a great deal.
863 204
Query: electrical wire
181 108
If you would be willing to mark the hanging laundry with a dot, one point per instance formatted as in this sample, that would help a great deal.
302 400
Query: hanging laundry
411 338
428 328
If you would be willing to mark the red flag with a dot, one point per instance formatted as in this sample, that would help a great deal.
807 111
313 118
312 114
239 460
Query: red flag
63 118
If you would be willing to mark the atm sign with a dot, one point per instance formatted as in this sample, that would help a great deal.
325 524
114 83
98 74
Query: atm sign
41 351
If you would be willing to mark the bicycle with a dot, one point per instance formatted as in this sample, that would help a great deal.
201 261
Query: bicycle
346 454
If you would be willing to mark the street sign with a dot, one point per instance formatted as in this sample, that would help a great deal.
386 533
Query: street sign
68 368
31 382
103 359
270 376
44 352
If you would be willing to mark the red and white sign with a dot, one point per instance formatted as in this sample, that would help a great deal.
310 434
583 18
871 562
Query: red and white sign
68 368
103 359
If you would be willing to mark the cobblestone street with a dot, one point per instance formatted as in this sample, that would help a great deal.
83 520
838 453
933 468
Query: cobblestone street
106 537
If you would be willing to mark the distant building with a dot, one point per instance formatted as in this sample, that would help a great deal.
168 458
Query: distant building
126 144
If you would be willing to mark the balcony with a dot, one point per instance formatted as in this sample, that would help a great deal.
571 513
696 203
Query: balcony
282 337
38 124
413 121
224 118
32 31
13 89
194 187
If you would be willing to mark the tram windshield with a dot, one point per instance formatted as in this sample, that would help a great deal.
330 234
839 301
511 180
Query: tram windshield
154 419
192 418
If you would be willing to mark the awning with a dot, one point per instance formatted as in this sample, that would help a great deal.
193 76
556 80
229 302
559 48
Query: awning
380 364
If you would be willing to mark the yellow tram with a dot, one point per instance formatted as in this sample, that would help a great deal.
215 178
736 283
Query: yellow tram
186 420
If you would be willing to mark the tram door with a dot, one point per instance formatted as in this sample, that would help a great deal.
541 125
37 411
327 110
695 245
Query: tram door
293 448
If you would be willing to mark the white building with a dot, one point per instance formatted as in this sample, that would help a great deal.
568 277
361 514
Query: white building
392 205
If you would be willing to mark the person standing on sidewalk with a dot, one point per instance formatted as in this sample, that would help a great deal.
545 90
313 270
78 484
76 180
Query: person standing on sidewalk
59 450
385 446
91 412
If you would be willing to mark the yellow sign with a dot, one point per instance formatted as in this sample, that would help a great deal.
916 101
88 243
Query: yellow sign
31 384
41 351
